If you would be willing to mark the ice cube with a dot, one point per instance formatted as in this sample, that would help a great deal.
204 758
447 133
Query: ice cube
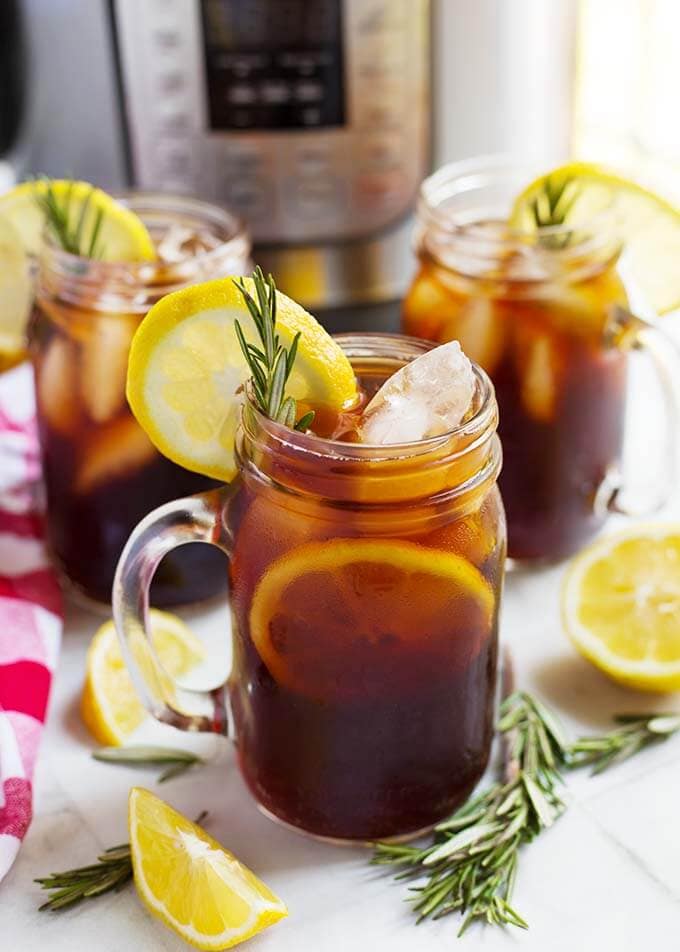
427 397
57 386
117 449
539 367
175 244
480 328
104 365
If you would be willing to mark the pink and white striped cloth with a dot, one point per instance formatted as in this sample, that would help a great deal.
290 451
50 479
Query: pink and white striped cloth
30 610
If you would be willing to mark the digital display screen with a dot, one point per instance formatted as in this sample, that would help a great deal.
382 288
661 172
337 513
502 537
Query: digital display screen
274 64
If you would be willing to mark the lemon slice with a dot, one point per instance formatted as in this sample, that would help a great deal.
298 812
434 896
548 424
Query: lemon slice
190 882
647 225
15 295
621 606
186 371
109 704
364 617
122 235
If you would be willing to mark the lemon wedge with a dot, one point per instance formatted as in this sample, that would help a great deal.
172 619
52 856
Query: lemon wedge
647 225
186 371
122 234
109 704
621 606
190 882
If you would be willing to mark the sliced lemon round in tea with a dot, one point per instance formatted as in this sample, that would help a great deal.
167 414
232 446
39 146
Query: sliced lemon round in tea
110 707
121 236
15 295
621 606
186 371
647 225
359 618
195 886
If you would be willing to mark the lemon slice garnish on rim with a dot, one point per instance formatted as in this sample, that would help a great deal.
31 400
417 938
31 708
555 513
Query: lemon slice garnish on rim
646 224
15 295
186 371
190 882
122 235
621 606
109 704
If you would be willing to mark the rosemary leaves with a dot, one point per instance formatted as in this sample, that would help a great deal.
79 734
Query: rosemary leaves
472 864
271 363
174 761
74 226
635 732
112 871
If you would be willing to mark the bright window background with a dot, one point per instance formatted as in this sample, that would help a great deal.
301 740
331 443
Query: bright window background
627 103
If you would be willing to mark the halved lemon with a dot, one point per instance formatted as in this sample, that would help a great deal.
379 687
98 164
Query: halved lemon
647 225
190 882
109 704
122 235
621 606
186 371
360 618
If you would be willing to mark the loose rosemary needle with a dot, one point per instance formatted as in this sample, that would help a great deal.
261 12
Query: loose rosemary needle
112 871
635 732
174 761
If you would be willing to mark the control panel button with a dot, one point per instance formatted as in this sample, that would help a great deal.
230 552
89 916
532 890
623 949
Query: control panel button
248 197
309 92
170 83
381 153
242 95
273 93
381 191
314 197
175 160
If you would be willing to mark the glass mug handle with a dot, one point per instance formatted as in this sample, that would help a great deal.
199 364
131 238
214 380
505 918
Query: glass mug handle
193 519
626 331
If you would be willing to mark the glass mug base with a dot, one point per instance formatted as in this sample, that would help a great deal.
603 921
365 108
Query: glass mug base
346 841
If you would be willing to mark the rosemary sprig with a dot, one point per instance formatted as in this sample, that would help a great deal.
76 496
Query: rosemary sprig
174 760
550 209
636 731
68 228
471 865
112 871
271 363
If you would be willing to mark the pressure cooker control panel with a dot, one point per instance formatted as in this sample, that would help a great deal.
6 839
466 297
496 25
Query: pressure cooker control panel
307 117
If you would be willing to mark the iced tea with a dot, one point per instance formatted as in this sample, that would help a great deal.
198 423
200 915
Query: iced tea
102 473
364 586
536 318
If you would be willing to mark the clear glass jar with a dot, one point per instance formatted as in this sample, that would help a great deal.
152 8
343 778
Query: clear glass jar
101 472
365 584
548 318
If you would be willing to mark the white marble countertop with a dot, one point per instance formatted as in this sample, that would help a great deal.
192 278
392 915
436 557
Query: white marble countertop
605 878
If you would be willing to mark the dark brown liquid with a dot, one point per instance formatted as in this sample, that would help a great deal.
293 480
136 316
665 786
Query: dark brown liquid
560 393
369 712
102 477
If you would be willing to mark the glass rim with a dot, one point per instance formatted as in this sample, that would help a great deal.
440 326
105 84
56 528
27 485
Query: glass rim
482 422
129 273
457 178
